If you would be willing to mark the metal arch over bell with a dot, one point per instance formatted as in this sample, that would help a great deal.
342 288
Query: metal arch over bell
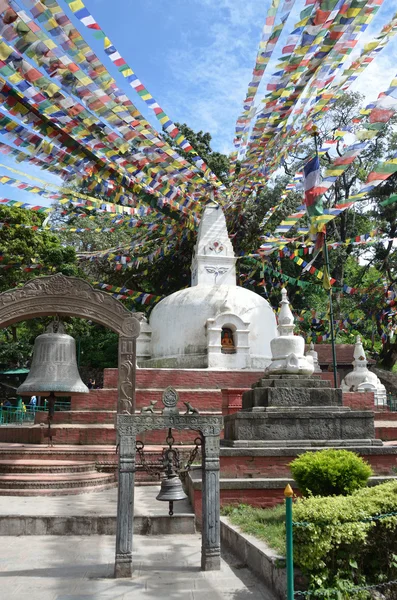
54 366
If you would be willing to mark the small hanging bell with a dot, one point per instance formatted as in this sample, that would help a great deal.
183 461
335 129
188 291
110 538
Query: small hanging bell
54 366
171 491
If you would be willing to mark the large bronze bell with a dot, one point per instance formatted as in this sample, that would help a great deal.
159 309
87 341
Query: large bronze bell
54 367
171 491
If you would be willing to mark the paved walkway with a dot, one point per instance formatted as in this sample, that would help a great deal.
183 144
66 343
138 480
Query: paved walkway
81 568
101 503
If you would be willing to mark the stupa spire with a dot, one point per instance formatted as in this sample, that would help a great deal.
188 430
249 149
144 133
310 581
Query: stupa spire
286 321
213 260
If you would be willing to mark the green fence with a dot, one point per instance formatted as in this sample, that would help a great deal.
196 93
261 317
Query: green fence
392 402
11 415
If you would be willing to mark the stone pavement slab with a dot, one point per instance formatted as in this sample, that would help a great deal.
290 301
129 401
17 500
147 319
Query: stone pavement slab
81 568
101 503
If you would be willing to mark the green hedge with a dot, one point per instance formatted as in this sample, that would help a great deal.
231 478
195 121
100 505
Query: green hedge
340 549
330 472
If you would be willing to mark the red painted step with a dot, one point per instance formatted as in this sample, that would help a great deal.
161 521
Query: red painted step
106 399
38 477
53 480
22 465
56 492
185 378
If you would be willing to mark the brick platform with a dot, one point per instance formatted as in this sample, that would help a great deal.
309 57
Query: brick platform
386 430
251 463
185 378
359 400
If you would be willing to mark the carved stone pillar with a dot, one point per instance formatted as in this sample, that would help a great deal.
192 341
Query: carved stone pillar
126 401
125 507
211 535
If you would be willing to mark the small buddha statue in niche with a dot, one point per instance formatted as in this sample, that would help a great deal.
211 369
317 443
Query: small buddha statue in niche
227 341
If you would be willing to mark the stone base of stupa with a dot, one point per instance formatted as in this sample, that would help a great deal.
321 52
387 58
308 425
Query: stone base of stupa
294 409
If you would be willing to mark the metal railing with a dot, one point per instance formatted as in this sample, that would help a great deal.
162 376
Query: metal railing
9 415
392 402
12 415
389 406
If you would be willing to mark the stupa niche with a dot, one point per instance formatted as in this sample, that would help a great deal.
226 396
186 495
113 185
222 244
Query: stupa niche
214 323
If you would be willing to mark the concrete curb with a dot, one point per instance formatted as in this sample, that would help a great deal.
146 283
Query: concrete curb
11 525
257 556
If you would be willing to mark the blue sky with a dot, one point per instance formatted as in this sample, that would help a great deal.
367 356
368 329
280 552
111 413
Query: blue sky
196 58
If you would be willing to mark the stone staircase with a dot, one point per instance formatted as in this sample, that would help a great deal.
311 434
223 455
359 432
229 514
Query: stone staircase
86 433
33 477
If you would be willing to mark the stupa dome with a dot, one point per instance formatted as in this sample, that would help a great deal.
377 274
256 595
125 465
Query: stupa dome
214 323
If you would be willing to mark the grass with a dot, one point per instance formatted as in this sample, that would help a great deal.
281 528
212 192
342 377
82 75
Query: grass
267 524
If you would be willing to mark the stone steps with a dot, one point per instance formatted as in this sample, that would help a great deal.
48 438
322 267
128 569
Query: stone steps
48 480
78 459
45 466
99 455
65 491
386 430
30 477
83 435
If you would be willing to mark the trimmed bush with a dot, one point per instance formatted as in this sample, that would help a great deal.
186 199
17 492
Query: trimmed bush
338 545
330 472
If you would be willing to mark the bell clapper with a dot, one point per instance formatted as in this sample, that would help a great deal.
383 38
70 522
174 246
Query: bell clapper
171 508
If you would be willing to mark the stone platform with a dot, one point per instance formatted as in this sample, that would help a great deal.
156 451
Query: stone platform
297 408
284 416
92 513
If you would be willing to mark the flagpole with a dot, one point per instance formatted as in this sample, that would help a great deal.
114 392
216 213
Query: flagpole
326 263
331 314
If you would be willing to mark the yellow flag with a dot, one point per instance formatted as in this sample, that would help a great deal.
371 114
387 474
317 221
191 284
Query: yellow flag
326 280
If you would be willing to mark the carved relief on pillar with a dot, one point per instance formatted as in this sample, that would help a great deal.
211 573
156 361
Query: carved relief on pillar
126 375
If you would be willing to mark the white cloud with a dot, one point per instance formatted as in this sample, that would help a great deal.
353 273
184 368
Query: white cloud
212 79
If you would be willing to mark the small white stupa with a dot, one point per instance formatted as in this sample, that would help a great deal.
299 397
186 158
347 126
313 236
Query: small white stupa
288 350
214 323
361 379
311 352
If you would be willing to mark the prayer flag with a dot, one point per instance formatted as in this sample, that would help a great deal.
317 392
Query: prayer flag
312 178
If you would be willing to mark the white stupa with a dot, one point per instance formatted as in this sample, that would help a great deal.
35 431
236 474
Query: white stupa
312 352
288 349
361 379
214 323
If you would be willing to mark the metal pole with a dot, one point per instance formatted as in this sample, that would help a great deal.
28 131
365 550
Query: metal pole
331 315
288 493
326 262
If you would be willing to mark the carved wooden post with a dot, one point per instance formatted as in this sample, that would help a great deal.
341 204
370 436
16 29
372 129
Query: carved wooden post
125 506
211 535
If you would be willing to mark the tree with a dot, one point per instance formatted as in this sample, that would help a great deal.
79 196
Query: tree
201 142
22 245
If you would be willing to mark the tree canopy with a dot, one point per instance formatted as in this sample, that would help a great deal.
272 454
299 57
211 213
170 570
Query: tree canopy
156 248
